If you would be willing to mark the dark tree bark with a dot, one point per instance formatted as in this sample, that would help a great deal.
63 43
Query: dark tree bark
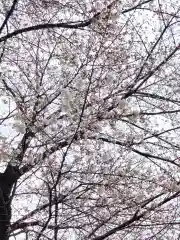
7 180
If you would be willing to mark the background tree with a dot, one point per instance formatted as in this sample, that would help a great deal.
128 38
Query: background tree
89 136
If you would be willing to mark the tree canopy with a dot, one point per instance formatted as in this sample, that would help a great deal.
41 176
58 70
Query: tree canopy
89 119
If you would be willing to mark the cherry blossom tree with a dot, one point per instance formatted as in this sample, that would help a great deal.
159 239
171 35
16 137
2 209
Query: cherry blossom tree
89 119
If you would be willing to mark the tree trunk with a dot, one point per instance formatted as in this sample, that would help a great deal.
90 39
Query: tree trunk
7 180
5 209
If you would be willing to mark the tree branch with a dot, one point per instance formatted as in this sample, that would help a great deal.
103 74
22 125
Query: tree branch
70 25
9 13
